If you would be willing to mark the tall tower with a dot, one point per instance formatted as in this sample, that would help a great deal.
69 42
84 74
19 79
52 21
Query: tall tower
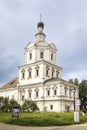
40 60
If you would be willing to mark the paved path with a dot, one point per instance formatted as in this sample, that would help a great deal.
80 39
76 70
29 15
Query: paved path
72 127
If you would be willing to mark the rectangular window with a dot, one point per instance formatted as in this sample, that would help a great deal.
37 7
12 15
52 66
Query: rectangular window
41 55
52 74
22 97
57 74
47 72
37 72
55 92
51 56
51 107
70 93
30 56
23 75
29 94
48 92
29 74
65 92
36 94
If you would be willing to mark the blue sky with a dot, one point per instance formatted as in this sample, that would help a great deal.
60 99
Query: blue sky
65 25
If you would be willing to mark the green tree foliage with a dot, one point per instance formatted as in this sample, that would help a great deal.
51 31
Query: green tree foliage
1 102
34 106
13 103
6 105
70 81
74 81
1 99
83 93
29 106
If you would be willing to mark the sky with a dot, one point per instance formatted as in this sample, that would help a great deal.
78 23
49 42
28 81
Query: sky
65 25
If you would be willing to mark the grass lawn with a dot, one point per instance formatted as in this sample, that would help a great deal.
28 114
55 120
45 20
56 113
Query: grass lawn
41 119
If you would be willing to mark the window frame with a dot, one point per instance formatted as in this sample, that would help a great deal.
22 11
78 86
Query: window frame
48 92
30 56
23 74
22 97
52 56
51 107
36 94
37 72
55 92
41 55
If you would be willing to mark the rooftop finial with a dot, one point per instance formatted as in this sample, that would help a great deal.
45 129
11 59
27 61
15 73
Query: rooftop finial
40 18
40 24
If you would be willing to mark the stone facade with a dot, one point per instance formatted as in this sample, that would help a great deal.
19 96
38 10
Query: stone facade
40 79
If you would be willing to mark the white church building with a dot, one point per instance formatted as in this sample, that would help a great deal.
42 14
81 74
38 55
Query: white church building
40 79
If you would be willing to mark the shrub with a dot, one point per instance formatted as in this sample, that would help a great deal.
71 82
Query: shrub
29 106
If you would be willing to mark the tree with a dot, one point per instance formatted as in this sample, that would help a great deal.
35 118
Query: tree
1 102
13 103
71 80
26 105
1 99
6 104
34 107
29 106
74 81
83 93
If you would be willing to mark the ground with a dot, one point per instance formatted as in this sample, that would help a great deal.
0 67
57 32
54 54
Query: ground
71 127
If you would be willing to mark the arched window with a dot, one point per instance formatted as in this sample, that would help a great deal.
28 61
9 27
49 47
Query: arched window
53 72
48 89
36 93
54 90
30 93
57 73
70 92
22 97
47 71
37 70
48 92
66 91
22 94
29 73
23 74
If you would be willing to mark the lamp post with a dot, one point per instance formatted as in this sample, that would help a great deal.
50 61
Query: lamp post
76 113
74 90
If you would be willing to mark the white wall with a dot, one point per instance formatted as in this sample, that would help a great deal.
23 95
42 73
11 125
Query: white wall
10 93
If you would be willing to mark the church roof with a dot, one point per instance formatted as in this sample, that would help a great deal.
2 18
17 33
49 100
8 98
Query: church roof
11 84
61 80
